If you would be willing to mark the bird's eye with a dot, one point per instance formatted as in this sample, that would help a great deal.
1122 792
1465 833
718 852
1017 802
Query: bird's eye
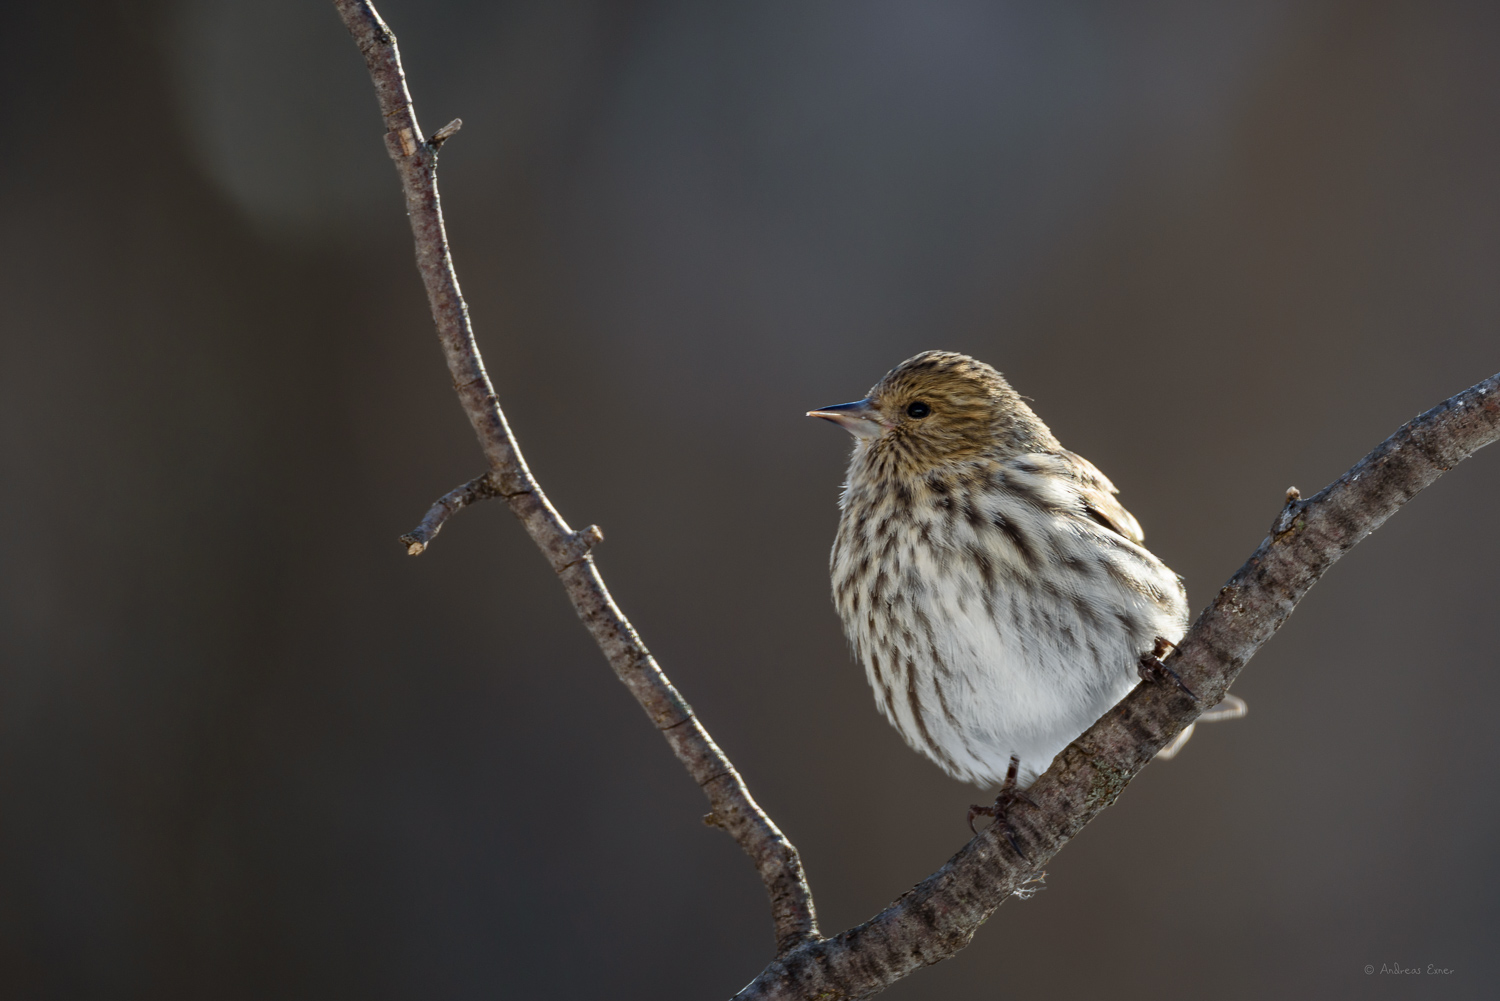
918 410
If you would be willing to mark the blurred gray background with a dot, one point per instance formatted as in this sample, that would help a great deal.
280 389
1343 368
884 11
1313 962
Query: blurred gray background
249 749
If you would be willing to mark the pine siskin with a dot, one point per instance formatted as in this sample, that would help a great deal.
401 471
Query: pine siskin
995 590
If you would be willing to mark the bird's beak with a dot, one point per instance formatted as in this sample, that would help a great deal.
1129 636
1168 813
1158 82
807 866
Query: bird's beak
860 418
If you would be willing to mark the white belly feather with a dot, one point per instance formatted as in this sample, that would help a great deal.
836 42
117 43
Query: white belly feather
990 626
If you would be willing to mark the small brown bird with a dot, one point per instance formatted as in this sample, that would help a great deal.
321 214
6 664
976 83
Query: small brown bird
995 590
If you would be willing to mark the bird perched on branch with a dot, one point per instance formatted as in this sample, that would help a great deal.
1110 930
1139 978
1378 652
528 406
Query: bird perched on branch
995 590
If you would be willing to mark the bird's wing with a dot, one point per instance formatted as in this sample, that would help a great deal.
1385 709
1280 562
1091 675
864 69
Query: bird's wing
1099 501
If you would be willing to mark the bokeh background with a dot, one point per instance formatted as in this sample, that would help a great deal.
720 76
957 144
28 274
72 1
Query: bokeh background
250 749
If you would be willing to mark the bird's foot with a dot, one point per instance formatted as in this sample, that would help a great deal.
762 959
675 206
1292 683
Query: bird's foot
1008 797
1153 670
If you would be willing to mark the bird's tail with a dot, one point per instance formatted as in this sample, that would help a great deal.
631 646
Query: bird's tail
1233 707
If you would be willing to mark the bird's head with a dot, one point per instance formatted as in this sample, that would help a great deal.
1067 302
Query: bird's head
937 408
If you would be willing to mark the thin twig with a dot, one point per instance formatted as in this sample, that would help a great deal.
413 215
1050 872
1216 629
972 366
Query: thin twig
939 916
775 857
478 489
445 133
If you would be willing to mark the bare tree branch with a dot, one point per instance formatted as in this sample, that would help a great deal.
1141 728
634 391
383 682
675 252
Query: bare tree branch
478 489
734 809
939 916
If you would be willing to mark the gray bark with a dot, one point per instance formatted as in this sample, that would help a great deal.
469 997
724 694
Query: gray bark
734 809
939 916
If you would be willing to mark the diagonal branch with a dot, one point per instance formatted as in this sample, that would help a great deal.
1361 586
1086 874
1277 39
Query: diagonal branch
939 916
734 809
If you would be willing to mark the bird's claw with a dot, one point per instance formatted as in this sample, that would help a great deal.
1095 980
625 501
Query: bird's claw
1153 670
1008 796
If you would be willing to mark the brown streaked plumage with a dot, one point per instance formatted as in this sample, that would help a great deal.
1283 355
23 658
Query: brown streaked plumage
994 588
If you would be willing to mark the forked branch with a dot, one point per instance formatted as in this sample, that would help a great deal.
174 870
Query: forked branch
568 551
939 916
